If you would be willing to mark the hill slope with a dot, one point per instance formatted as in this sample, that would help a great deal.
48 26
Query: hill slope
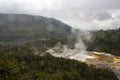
17 27
20 63
106 41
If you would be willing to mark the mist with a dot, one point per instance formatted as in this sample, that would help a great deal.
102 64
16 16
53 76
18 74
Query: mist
81 14
79 52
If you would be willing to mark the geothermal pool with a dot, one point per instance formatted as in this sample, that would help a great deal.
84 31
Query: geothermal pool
71 54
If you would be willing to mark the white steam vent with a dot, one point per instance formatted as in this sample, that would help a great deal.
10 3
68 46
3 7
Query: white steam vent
78 53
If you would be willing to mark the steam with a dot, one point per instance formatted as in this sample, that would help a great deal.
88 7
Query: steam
78 53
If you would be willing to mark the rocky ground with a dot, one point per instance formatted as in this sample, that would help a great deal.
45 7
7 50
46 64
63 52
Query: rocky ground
104 60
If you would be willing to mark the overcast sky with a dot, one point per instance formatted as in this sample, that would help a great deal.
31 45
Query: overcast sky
82 14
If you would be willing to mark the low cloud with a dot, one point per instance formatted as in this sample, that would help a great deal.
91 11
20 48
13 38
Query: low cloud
82 14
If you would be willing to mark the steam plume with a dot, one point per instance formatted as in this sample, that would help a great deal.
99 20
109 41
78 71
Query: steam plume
79 52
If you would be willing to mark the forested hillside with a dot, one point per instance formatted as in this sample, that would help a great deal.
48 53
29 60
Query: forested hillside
42 32
105 41
20 63
18 29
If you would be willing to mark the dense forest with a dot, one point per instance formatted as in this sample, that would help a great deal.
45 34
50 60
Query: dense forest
20 63
105 41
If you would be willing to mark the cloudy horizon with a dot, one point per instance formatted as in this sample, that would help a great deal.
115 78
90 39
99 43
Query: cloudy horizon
82 14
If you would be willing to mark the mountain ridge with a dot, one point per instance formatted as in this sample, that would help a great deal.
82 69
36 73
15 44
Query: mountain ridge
15 27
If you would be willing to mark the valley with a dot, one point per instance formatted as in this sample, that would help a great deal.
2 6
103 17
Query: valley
41 48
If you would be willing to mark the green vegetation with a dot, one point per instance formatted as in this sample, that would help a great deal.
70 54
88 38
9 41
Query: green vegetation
20 27
106 41
42 32
20 63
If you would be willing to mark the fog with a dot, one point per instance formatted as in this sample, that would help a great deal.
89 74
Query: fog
82 14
